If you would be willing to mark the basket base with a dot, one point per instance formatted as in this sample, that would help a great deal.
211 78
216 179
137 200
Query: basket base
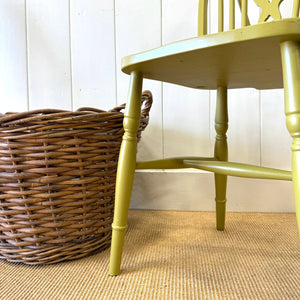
54 253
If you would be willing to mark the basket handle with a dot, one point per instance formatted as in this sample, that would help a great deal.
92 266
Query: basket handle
146 100
38 114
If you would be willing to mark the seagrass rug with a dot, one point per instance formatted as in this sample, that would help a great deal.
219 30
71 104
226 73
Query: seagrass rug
176 255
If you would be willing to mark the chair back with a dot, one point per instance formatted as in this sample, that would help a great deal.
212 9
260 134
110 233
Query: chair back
269 9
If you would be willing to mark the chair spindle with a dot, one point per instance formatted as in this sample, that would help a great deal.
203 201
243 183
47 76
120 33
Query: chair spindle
221 16
231 14
244 8
296 8
202 17
243 5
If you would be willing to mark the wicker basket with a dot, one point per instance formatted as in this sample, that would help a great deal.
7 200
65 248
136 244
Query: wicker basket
57 181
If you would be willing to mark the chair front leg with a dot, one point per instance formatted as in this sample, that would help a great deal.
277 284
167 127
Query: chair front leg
221 153
290 53
125 172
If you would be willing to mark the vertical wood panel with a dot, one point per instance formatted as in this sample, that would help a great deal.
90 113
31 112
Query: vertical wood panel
244 125
186 122
173 191
48 54
286 8
191 191
253 12
260 195
186 111
138 28
93 53
179 20
213 12
276 140
13 77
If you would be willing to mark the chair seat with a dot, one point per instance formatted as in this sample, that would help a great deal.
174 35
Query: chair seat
240 58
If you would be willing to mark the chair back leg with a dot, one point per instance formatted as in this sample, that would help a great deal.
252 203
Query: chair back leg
221 153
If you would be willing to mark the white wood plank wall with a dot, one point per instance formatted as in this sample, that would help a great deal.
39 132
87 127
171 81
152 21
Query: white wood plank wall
66 54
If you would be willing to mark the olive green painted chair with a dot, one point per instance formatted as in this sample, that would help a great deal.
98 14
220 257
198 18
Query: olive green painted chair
262 56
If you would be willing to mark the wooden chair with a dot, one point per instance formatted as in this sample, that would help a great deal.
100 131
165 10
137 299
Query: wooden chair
262 56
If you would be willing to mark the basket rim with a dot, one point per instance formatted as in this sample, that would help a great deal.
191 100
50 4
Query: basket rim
59 115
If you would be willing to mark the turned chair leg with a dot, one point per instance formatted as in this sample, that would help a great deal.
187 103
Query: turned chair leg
221 153
125 172
290 53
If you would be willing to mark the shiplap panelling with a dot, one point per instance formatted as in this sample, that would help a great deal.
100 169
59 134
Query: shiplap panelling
275 140
186 122
13 60
174 190
48 42
243 125
67 53
186 111
195 191
286 8
93 53
259 195
138 27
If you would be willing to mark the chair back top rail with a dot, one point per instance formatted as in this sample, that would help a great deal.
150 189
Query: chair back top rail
268 9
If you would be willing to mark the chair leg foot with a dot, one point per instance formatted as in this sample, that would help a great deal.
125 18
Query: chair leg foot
220 183
118 235
220 214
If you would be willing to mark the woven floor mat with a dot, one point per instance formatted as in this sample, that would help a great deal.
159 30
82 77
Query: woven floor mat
176 255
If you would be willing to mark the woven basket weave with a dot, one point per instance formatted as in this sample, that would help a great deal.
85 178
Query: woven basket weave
57 181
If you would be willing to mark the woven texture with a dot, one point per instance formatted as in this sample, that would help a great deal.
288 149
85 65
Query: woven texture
57 181
176 255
